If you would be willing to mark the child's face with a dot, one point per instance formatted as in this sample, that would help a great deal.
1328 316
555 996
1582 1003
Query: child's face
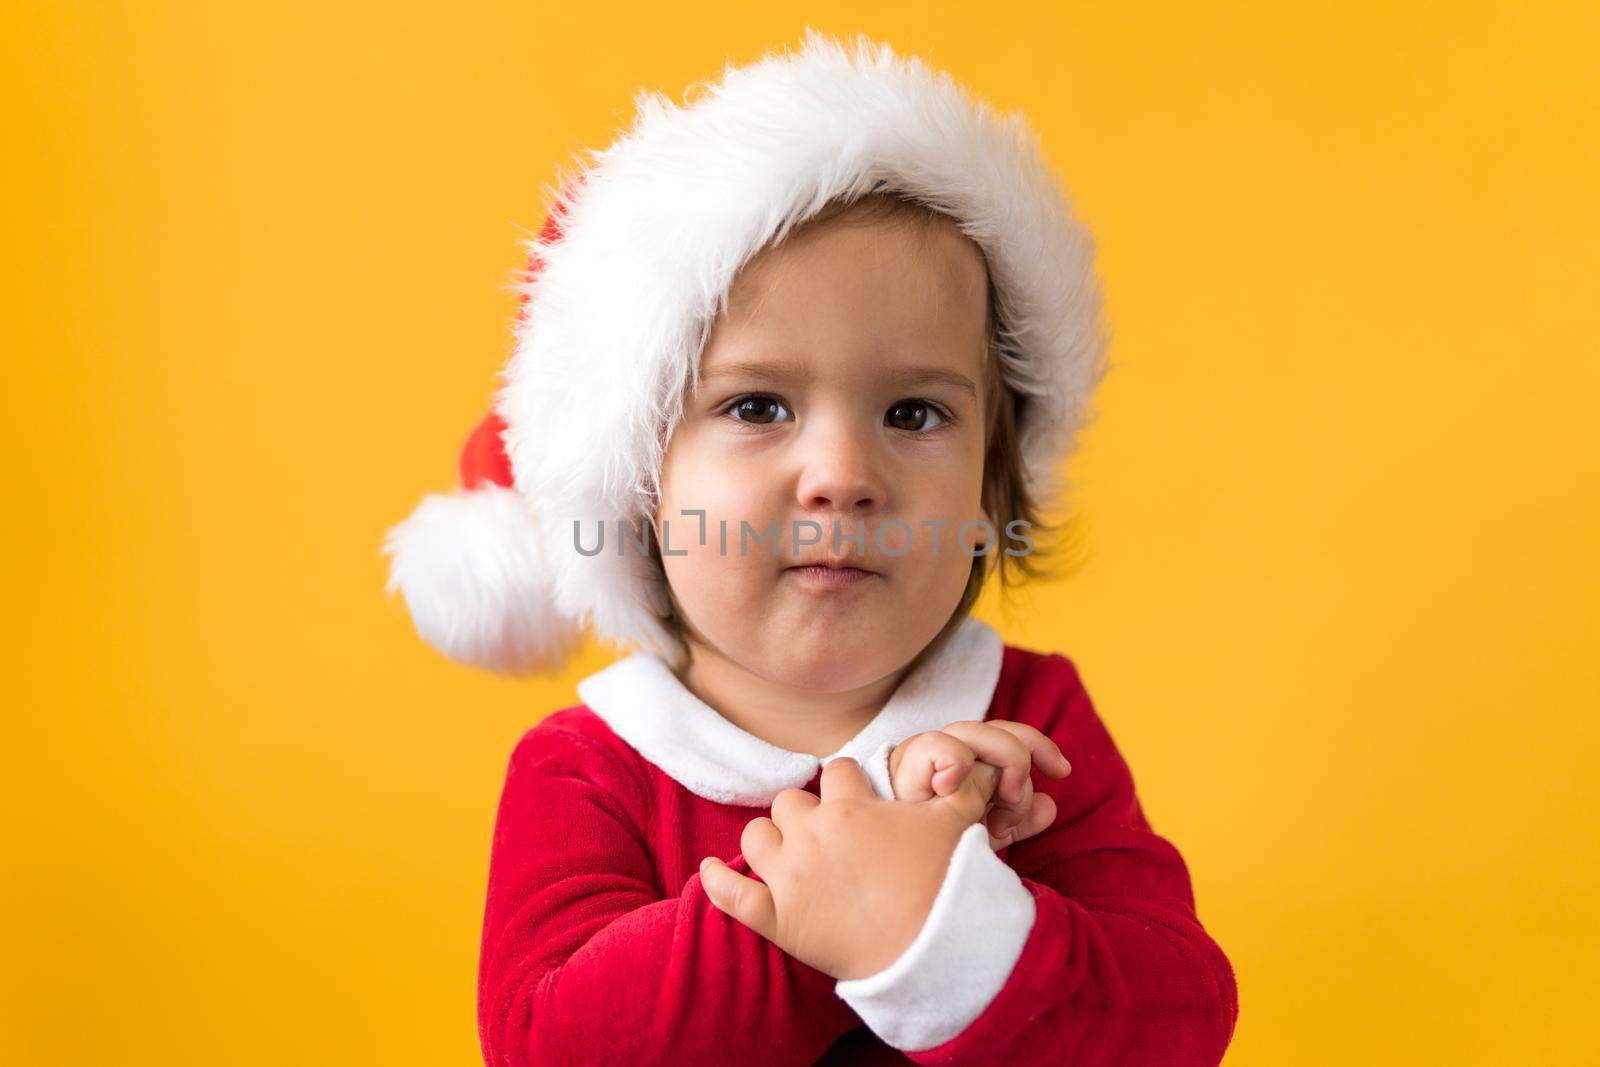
833 389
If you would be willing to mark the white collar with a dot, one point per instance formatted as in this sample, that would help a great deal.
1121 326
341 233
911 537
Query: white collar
646 705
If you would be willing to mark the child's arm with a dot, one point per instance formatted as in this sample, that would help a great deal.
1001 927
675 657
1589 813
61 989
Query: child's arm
1084 938
583 961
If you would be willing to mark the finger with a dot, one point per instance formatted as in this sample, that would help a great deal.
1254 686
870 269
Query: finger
1002 750
843 778
760 841
1039 816
1004 815
739 896
790 804
938 762
971 800
984 779
1045 752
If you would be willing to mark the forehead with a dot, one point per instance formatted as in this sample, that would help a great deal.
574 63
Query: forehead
888 293
920 254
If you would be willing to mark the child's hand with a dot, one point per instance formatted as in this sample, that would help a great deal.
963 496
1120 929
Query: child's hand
935 763
848 879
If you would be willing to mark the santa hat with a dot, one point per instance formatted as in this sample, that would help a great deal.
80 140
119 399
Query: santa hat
624 282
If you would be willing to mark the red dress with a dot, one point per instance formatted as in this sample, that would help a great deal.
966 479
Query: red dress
1080 945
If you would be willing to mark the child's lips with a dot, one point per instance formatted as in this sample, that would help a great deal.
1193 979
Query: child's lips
825 576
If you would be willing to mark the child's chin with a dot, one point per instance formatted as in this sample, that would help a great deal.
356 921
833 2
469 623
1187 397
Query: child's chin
834 663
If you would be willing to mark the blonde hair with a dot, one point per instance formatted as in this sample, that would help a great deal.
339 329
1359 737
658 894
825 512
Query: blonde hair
1005 498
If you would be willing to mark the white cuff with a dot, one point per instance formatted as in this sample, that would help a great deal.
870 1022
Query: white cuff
876 768
961 958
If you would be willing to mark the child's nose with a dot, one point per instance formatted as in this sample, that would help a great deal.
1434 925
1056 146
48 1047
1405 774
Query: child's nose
840 475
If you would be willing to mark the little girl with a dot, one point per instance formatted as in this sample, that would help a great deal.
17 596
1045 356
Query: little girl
796 367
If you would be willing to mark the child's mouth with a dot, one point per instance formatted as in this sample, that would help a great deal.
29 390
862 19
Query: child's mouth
824 577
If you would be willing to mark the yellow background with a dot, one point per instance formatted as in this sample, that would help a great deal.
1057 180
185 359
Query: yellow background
1338 600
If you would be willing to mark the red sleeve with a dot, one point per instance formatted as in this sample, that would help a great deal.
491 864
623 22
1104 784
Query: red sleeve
1111 964
584 959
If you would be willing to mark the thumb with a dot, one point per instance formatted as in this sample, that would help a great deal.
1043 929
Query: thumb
741 897
971 798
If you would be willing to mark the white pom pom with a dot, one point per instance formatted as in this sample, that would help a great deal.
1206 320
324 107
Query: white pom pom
471 569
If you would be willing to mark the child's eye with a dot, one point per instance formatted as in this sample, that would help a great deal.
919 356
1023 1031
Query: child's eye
757 410
914 414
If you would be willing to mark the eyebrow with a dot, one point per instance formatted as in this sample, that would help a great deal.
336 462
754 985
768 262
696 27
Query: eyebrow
780 370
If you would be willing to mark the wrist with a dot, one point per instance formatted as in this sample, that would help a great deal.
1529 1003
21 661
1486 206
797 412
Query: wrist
959 960
896 929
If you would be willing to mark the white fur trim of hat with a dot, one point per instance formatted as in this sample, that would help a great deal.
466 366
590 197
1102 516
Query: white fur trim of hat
625 281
